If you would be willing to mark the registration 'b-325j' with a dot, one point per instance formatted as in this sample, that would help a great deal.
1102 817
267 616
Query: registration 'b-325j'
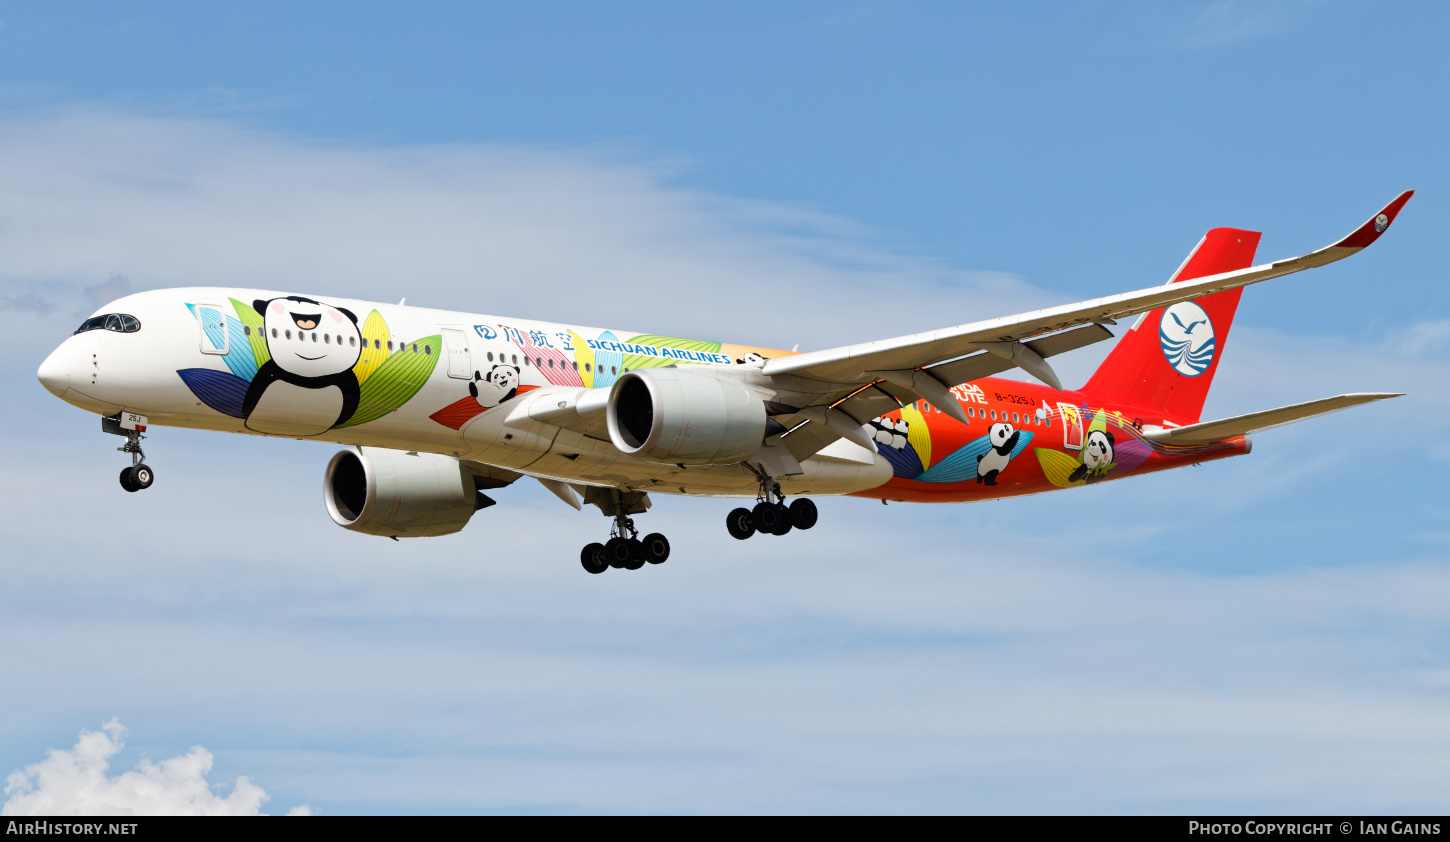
439 407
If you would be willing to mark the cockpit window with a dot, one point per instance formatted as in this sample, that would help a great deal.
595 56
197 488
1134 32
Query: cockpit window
119 322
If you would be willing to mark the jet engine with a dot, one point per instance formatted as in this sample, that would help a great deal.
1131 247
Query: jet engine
683 417
400 494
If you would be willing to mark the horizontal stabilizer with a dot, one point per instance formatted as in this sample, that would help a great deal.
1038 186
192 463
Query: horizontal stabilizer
1224 428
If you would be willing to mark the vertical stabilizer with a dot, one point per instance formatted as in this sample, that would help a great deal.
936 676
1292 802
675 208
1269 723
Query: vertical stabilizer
1161 369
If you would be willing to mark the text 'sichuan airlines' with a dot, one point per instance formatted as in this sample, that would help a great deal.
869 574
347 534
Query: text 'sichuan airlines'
438 407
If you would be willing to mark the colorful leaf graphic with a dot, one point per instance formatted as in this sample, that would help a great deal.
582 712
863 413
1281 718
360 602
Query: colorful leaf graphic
217 389
458 413
463 410
239 357
918 433
249 317
961 464
606 363
375 350
1130 453
904 463
397 380
550 362
1057 467
634 361
584 357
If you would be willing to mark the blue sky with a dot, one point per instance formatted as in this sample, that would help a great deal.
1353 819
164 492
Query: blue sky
1260 635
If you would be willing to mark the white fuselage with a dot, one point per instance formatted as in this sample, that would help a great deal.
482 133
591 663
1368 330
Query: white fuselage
198 349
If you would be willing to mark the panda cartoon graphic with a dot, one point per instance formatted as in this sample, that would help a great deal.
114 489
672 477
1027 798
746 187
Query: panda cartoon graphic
308 386
1097 457
500 384
752 358
1003 439
889 433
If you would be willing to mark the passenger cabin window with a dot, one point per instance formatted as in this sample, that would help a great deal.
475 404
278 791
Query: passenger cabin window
118 322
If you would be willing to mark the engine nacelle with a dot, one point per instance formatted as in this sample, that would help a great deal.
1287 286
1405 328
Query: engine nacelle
400 494
683 417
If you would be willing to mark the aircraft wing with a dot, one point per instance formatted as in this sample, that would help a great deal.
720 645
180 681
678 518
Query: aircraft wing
1224 428
840 389
1003 337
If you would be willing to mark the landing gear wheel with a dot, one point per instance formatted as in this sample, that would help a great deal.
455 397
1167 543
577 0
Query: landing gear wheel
785 521
616 552
656 548
636 554
142 476
740 524
126 480
593 558
766 517
803 513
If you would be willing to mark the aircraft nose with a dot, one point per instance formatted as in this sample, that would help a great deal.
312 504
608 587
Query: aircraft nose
54 373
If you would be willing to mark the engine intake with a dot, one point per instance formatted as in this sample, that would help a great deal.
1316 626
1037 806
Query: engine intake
683 417
400 494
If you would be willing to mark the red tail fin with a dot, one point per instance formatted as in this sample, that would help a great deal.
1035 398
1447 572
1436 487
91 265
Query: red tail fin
1161 369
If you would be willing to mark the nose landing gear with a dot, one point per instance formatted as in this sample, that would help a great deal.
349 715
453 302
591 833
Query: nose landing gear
140 475
771 515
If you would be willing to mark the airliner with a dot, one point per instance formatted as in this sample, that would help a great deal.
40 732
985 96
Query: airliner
437 408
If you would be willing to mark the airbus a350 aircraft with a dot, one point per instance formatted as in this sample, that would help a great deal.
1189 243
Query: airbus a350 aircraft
438 407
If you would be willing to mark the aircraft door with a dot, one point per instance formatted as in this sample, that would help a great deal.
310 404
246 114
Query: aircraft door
455 345
212 320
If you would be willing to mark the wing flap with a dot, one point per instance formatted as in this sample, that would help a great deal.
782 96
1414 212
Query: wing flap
985 364
1225 428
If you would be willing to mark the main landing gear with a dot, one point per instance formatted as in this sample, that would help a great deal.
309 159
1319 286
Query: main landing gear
624 549
771 515
139 476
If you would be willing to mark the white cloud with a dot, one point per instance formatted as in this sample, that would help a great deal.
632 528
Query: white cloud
596 237
1224 22
1422 338
76 782
1206 25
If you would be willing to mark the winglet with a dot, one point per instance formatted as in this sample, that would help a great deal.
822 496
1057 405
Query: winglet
1377 225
